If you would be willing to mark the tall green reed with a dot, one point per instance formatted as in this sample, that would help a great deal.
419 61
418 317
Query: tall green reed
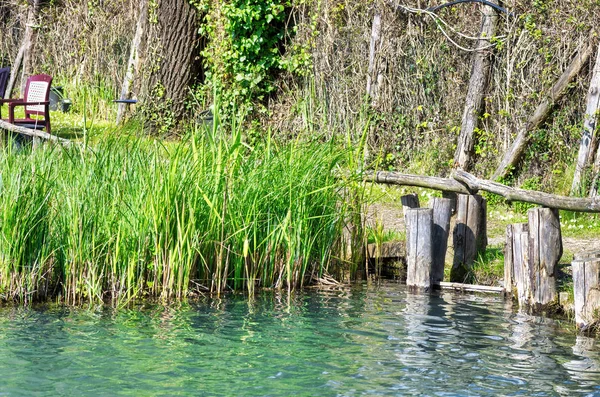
130 217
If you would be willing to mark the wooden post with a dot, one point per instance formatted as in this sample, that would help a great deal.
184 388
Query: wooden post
469 236
545 250
520 262
516 253
419 249
442 211
509 267
586 288
409 201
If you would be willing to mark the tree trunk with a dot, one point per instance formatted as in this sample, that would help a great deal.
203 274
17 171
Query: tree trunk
133 64
29 43
372 72
480 76
589 127
23 55
513 155
169 62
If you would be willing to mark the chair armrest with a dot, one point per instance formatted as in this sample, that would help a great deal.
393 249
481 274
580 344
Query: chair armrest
23 103
9 100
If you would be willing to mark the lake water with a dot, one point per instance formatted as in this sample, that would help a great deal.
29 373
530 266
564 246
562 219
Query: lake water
376 340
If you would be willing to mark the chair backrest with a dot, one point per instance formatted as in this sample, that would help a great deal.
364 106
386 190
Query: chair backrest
37 89
4 75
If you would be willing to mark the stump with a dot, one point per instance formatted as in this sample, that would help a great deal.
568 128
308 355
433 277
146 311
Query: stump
419 249
442 211
409 201
469 236
586 288
545 250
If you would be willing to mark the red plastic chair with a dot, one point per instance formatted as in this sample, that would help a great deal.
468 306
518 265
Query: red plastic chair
36 103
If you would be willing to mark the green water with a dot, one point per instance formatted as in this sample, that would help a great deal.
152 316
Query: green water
360 341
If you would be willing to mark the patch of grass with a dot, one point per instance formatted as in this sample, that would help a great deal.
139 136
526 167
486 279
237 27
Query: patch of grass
488 269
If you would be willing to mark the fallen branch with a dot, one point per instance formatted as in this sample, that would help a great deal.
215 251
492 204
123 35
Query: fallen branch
465 183
429 182
560 88
34 133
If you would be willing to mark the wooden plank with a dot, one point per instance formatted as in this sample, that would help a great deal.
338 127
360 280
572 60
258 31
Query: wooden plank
509 265
471 287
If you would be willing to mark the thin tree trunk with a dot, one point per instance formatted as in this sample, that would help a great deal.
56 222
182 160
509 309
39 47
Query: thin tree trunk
14 72
513 155
134 59
478 84
29 42
589 127
372 80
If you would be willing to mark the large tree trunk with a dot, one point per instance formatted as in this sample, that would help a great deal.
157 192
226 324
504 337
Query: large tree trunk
480 76
513 155
589 127
169 63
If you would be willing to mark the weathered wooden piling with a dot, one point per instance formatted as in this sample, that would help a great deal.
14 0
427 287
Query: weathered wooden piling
516 251
586 288
409 201
419 247
442 211
516 262
469 236
545 248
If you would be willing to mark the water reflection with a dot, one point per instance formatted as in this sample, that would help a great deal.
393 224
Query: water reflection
365 340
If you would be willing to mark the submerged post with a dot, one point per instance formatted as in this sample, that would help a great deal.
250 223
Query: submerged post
419 249
545 247
442 211
470 235
586 288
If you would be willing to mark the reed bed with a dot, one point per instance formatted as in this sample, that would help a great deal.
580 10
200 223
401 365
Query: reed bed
131 218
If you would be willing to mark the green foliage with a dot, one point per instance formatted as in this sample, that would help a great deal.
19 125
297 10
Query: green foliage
533 183
246 49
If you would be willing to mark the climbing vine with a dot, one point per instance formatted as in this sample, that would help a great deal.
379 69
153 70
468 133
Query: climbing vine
246 49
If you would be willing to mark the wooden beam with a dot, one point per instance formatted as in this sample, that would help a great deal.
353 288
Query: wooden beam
465 183
34 133
471 287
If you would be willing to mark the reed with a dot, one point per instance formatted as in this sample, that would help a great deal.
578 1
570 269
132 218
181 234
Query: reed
132 217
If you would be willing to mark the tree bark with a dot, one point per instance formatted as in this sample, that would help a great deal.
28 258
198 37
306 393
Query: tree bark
133 64
373 72
589 128
169 62
513 155
478 84
29 43
464 183
23 56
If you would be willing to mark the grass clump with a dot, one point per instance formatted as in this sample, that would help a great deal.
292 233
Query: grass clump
130 218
